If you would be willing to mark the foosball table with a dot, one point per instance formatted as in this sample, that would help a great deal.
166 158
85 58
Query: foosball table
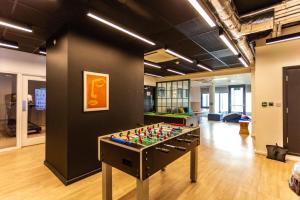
143 151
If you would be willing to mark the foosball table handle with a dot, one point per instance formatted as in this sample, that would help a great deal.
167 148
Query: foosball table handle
162 149
184 140
180 148
193 135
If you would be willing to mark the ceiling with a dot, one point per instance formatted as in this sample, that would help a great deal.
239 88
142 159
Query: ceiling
237 79
169 23
246 6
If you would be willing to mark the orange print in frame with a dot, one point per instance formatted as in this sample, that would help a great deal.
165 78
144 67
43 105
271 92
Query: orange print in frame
96 91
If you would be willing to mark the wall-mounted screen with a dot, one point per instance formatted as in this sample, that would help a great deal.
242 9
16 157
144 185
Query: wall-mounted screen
40 99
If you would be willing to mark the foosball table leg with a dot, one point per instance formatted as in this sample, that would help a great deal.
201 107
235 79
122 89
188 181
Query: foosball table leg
142 189
194 164
106 181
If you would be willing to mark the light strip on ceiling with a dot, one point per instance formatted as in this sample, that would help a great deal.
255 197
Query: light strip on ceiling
228 44
3 23
176 72
220 79
178 55
120 28
152 65
2 44
147 74
203 67
202 12
284 38
43 52
243 62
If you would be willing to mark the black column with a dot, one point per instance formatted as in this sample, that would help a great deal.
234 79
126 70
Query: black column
71 139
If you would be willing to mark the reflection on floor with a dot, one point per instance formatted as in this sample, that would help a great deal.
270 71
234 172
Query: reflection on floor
6 140
228 169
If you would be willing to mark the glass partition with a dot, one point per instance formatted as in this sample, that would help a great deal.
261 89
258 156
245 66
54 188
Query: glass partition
173 96
8 110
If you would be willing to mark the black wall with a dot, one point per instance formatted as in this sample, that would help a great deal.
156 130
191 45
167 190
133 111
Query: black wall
71 140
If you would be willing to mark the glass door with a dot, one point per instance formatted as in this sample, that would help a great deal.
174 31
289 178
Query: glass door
33 110
237 99
8 110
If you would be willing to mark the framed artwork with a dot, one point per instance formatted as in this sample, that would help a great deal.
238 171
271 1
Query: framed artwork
95 91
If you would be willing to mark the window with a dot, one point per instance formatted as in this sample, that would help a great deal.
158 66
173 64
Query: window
221 102
172 95
205 100
248 103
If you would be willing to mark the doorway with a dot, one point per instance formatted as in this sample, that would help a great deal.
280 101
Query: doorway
33 110
291 109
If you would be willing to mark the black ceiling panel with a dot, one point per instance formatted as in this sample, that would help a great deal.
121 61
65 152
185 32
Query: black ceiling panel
186 47
193 27
247 6
214 63
222 53
204 56
168 36
231 60
210 40
173 12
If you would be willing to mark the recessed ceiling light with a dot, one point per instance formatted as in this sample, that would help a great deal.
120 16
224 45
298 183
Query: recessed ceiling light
147 74
43 52
220 79
203 67
4 44
176 72
228 43
202 12
104 21
283 38
243 61
14 26
178 55
152 65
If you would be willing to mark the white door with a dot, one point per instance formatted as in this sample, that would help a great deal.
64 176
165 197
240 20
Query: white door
33 110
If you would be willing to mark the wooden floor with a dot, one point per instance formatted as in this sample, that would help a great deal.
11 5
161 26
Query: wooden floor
228 169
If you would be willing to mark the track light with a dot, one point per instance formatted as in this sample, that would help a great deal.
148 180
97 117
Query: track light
243 61
178 55
154 75
203 67
284 38
202 12
43 52
120 28
14 26
9 45
176 72
228 43
152 65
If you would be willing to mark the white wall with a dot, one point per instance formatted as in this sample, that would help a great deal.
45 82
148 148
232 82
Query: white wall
195 98
20 62
267 81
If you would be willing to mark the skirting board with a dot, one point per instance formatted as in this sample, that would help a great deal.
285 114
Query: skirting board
69 181
288 157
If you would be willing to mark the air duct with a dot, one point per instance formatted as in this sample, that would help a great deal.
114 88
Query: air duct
226 14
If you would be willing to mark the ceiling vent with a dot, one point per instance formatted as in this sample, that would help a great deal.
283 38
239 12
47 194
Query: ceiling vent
158 56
